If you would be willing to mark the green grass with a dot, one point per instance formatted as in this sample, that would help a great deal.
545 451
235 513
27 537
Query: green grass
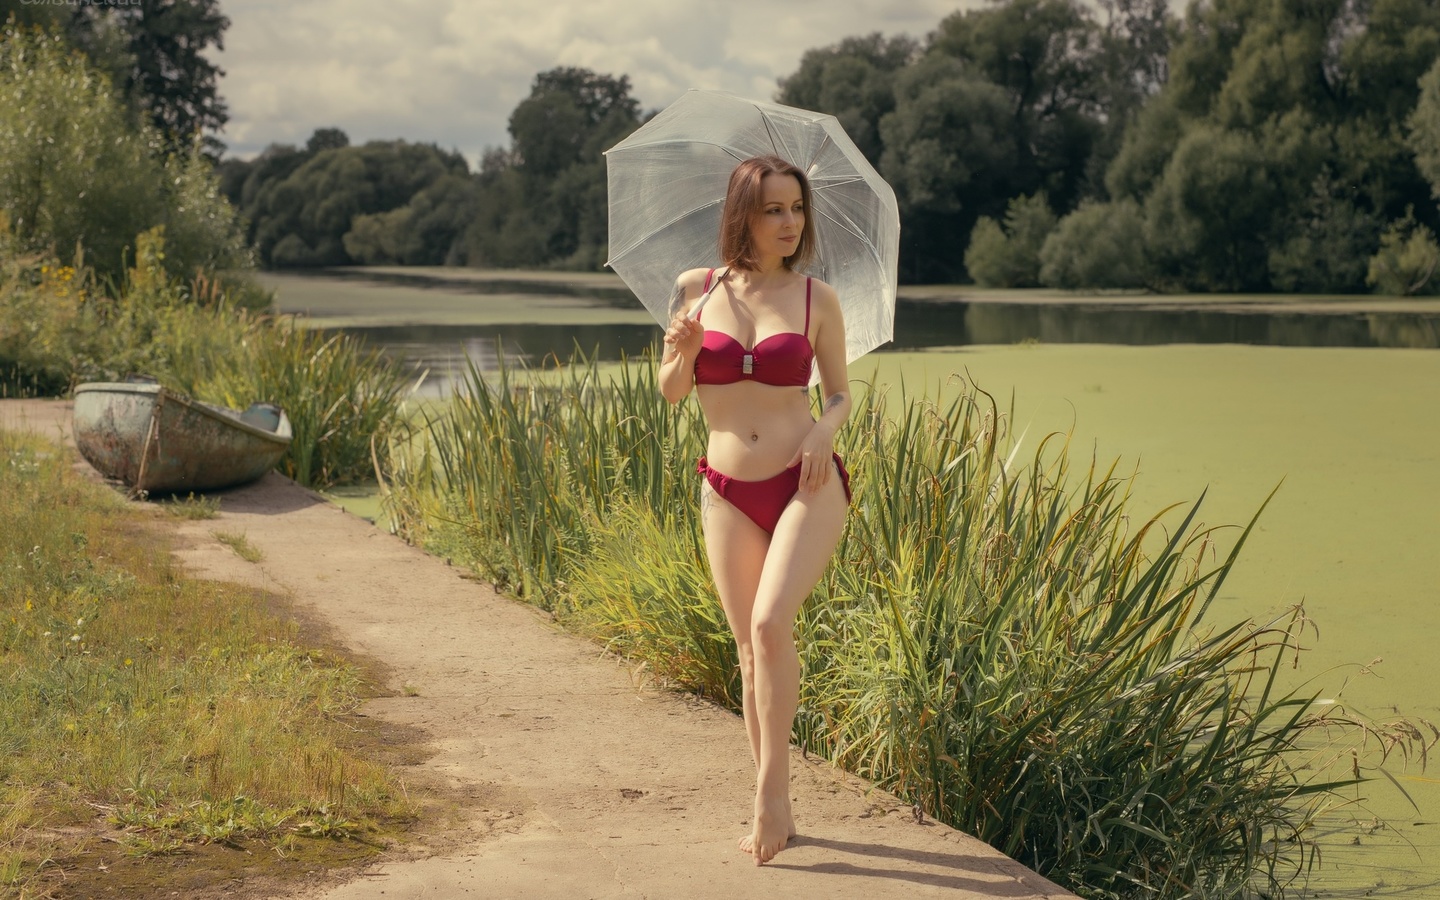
192 507
141 707
1003 639
240 544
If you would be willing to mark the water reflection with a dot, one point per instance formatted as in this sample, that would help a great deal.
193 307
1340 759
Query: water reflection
1008 323
609 296
445 351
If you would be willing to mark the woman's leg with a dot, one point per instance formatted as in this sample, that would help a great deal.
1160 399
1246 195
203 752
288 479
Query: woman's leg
801 547
736 547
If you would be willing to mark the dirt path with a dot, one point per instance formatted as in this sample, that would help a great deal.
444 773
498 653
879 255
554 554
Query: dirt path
573 780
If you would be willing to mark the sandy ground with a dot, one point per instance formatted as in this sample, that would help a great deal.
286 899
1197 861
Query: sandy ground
573 778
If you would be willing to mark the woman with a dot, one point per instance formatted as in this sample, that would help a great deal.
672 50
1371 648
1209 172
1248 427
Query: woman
774 495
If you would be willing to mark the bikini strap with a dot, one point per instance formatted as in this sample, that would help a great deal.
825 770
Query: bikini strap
806 332
708 275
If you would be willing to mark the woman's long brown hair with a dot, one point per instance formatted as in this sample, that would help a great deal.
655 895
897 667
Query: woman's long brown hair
744 200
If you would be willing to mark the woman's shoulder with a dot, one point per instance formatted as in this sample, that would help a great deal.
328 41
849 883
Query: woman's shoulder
693 278
823 294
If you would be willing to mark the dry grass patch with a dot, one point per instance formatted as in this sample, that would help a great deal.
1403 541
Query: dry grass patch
144 714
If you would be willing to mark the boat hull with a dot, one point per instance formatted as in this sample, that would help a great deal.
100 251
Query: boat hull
192 446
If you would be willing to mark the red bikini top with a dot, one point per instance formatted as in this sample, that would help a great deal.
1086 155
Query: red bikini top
782 359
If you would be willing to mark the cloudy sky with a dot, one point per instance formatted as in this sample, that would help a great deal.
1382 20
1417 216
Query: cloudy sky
450 71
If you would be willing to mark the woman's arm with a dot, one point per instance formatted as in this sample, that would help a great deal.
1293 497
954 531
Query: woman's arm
819 444
683 338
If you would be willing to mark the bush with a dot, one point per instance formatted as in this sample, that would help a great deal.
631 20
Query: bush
1406 261
1099 245
1204 217
75 173
1325 246
1010 258
1424 127
57 329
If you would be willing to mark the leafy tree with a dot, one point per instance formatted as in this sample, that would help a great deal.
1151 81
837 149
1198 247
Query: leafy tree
1099 245
1306 94
1044 55
1010 258
52 18
1013 98
510 227
1146 147
853 81
1136 41
178 84
947 155
1131 66
302 218
326 139
378 239
1406 261
1205 220
1392 43
1424 123
542 201
153 51
73 172
424 232
571 116
1323 248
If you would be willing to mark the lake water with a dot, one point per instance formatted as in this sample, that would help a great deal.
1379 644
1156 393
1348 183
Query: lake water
1351 431
439 323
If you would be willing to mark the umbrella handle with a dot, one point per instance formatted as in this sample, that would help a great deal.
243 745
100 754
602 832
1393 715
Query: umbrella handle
705 297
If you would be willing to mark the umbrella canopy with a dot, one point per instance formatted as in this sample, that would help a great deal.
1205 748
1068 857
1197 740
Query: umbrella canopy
667 186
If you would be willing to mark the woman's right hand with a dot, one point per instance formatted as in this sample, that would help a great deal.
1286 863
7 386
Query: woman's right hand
685 335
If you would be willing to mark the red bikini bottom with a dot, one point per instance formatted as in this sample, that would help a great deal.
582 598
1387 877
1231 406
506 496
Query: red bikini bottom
764 501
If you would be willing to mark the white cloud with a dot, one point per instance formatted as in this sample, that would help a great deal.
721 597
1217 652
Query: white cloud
451 71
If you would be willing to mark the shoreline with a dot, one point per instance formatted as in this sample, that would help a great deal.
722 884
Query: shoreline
926 315
493 280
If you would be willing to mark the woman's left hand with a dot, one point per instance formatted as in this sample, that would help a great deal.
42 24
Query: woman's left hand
814 456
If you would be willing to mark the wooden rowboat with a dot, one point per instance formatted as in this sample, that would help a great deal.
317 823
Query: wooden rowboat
158 441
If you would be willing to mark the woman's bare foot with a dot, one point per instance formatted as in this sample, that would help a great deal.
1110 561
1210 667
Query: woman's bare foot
747 840
773 827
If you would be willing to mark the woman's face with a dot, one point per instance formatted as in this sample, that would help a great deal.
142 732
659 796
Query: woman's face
776 228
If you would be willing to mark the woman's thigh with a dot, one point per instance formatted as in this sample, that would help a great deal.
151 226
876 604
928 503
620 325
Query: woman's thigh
804 540
736 547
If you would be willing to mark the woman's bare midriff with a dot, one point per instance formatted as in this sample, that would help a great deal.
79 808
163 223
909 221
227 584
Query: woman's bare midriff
755 428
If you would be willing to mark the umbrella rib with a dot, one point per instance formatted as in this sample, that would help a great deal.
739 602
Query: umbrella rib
822 184
774 141
865 242
650 145
661 227
825 139
847 224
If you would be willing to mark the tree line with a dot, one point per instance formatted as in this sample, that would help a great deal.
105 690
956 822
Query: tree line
1252 145
1248 145
539 202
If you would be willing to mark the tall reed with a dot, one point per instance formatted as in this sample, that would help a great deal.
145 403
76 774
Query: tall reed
516 472
1000 638
339 394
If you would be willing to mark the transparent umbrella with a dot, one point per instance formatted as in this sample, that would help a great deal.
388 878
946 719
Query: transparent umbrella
667 186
